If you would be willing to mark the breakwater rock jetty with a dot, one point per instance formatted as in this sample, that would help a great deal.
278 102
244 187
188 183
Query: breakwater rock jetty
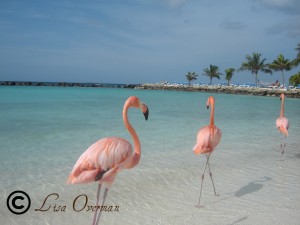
291 93
66 84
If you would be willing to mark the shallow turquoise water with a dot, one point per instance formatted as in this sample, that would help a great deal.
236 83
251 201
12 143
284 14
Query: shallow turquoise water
43 131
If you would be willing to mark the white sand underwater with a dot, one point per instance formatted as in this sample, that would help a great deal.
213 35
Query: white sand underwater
256 185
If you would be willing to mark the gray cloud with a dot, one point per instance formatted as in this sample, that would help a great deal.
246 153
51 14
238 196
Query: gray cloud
291 28
175 3
84 21
36 15
286 6
4 23
232 25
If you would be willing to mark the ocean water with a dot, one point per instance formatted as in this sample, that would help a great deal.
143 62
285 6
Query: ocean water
44 130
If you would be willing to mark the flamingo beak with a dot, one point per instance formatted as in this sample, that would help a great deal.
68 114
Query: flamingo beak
207 103
146 114
145 110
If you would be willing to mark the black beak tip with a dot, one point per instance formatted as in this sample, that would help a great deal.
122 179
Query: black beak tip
207 107
146 114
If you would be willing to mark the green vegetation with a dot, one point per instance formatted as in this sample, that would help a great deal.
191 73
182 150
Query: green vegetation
295 79
255 64
191 76
296 61
281 64
212 72
228 74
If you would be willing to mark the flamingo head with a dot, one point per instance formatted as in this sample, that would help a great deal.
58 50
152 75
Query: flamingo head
210 101
282 96
135 102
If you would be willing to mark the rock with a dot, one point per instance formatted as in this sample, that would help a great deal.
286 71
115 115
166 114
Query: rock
222 89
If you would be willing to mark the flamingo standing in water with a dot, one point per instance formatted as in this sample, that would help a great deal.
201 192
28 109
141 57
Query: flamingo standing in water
282 123
207 140
103 160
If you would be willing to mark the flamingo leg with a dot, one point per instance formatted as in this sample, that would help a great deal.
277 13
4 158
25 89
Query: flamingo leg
210 174
104 197
281 142
98 194
283 145
202 178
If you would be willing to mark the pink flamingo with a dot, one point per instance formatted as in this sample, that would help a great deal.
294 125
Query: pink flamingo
103 160
207 140
282 123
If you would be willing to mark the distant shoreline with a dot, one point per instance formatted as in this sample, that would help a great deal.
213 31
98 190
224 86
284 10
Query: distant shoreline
66 84
239 90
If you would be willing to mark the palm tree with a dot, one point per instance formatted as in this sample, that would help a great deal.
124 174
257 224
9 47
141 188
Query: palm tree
280 64
211 72
228 74
255 64
191 76
295 79
296 61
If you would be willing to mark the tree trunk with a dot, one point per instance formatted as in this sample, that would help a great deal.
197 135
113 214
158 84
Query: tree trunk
210 81
256 79
282 78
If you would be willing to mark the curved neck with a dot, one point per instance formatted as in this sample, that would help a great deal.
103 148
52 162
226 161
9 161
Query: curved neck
212 113
282 107
136 142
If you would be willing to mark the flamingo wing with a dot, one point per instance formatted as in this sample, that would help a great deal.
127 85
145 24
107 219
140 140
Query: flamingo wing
207 139
216 136
102 159
282 123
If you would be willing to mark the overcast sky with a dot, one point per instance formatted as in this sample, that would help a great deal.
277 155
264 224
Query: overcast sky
137 41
